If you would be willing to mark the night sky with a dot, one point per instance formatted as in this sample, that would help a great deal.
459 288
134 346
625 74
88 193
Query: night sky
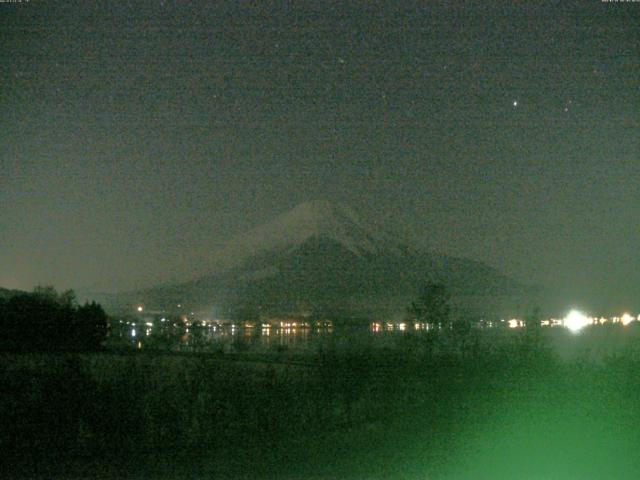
135 134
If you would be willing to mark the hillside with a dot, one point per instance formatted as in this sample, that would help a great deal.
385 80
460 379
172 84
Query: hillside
322 259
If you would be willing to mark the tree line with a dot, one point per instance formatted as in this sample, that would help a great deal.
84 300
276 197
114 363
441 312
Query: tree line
47 320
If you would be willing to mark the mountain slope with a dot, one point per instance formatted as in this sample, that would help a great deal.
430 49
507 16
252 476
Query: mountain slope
310 219
321 259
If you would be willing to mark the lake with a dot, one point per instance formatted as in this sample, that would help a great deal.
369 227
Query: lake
291 338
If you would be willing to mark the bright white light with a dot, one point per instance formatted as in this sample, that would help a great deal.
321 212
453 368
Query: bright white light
140 308
515 103
133 332
626 319
513 323
575 321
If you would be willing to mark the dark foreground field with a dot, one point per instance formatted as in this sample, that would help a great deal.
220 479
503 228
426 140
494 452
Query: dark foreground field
513 412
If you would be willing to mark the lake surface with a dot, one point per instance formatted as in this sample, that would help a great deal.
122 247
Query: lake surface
594 342
231 338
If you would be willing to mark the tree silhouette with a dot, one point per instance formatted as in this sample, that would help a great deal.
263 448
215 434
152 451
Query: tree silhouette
90 326
432 306
46 320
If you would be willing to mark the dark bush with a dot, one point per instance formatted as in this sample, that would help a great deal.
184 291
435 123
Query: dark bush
46 320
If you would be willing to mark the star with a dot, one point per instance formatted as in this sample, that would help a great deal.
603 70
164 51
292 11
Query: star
567 105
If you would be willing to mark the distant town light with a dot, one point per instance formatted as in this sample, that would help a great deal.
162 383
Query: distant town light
140 308
626 319
575 321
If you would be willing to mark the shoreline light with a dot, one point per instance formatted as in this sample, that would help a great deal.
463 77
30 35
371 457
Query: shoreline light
575 321
626 319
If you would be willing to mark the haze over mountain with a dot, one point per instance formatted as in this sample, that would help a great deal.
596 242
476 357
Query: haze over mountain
322 259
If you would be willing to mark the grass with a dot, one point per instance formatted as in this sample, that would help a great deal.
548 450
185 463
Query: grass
506 410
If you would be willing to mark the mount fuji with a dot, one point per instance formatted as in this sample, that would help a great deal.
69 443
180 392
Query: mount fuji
321 259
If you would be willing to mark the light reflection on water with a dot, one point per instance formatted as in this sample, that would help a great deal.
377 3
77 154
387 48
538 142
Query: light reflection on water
255 338
595 341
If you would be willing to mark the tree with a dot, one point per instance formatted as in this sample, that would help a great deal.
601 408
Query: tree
432 305
90 326
532 341
461 329
64 299
532 321
46 320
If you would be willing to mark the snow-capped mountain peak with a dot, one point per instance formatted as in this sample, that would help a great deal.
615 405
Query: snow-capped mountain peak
327 220
313 219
